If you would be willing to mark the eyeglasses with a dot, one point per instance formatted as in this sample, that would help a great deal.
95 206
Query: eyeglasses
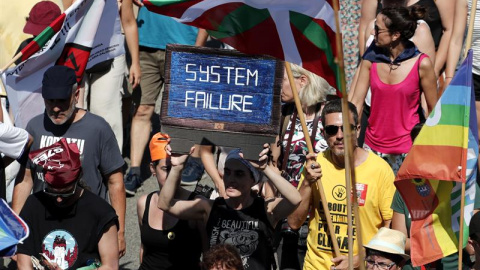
61 195
379 31
380 265
332 130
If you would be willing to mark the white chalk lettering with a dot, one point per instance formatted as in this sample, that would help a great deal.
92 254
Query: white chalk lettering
236 75
234 102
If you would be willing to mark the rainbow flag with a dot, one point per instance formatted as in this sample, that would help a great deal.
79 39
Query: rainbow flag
443 156
297 31
13 230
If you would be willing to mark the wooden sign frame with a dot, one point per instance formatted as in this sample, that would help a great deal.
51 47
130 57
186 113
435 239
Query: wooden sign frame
219 127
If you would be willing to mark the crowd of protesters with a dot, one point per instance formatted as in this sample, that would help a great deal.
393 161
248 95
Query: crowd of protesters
268 213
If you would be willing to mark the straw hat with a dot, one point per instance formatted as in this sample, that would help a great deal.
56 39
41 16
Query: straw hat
389 241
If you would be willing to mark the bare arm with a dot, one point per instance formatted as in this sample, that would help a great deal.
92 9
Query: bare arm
398 223
445 8
456 40
24 262
424 41
280 208
67 3
298 217
116 190
369 9
193 209
428 83
131 35
361 87
107 248
22 189
211 168
201 37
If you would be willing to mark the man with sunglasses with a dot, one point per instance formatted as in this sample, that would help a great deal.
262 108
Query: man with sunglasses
375 190
70 226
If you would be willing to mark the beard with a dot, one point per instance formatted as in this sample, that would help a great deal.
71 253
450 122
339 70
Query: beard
67 116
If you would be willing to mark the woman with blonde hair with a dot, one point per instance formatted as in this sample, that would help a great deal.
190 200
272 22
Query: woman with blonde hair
290 150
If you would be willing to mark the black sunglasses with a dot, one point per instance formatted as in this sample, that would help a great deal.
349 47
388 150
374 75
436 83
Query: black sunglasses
61 195
332 130
378 30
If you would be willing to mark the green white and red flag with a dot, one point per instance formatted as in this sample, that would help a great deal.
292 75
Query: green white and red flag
86 34
297 31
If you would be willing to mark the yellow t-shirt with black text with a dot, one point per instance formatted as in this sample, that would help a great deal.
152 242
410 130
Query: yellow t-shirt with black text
375 191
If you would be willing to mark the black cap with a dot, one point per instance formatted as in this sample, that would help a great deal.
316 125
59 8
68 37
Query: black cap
58 82
475 225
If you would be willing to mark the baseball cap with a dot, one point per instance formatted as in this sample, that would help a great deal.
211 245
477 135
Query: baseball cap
60 161
157 146
235 155
41 15
58 82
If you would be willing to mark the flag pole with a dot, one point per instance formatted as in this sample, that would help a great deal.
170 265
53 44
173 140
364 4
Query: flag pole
306 135
468 45
349 149
14 59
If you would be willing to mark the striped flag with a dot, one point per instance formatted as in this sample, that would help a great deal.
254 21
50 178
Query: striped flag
86 34
298 31
443 156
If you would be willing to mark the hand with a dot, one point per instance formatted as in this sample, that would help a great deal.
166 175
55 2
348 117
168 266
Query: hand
261 164
135 75
313 171
178 161
122 246
341 262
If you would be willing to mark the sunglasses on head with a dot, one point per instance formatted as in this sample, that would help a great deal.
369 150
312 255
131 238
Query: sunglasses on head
61 195
332 130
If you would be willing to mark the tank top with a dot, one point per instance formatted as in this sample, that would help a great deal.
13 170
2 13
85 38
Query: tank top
248 230
394 111
177 248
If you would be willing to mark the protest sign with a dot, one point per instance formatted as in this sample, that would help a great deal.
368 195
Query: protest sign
220 97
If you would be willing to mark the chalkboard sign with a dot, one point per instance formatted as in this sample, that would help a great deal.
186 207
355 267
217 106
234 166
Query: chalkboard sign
221 97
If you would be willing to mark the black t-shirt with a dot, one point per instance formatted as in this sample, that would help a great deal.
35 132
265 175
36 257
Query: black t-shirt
177 248
67 236
95 139
248 230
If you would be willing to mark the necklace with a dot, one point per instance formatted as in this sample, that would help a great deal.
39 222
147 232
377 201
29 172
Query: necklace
394 66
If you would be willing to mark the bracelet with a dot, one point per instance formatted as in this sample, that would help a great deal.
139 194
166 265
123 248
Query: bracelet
448 77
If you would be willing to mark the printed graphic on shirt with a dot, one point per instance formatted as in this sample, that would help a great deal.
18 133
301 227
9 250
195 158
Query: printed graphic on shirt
46 141
61 248
338 214
241 234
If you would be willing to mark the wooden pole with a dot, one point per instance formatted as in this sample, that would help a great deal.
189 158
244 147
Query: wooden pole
460 233
468 45
14 59
349 149
306 135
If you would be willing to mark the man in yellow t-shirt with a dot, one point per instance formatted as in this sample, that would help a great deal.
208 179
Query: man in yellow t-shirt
375 191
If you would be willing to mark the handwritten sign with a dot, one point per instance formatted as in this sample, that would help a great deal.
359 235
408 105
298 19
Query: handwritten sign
211 91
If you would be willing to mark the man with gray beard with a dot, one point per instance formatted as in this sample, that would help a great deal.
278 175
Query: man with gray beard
101 158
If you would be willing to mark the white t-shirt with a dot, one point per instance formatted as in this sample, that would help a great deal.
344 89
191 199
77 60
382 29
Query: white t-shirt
12 140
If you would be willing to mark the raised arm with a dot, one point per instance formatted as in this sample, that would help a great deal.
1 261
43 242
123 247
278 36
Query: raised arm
206 154
309 178
456 40
199 208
